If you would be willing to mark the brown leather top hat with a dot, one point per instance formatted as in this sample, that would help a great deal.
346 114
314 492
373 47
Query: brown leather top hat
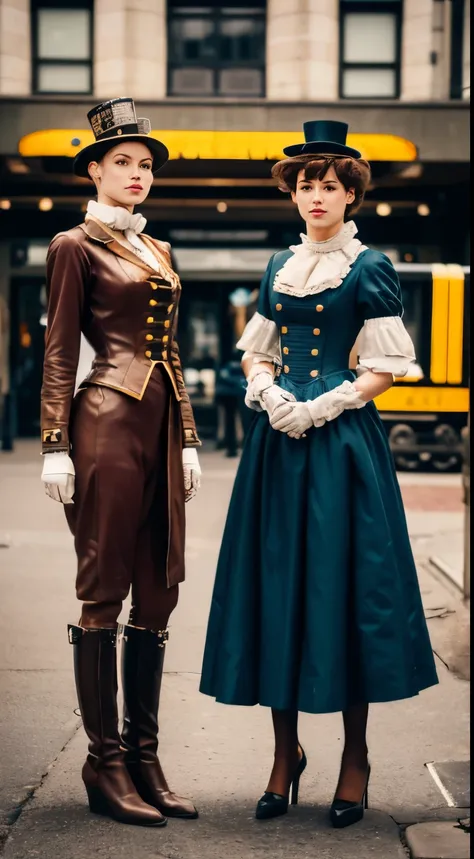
323 136
111 122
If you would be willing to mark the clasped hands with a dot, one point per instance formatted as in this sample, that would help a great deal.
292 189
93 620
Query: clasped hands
295 418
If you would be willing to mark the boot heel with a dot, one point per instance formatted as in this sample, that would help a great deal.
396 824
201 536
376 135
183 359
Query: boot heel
97 802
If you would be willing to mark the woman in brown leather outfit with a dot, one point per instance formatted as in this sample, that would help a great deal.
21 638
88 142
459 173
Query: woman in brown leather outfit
121 456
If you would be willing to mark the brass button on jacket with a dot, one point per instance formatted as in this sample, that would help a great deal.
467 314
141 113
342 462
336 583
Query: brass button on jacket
279 307
286 369
316 331
314 373
315 351
319 307
286 351
284 329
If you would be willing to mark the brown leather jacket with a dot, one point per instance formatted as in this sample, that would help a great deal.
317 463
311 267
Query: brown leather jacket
126 311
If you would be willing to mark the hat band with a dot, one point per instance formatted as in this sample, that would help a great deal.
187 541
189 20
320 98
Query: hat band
118 131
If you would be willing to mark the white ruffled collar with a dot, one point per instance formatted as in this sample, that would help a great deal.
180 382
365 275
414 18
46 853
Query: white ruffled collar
130 225
316 266
116 217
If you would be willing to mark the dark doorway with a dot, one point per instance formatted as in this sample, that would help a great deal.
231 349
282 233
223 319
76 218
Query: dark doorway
27 306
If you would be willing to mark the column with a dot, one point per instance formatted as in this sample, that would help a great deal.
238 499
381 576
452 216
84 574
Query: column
302 50
130 49
466 52
15 47
417 71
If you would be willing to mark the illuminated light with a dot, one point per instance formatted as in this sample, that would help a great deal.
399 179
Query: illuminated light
413 171
383 209
229 145
45 204
5 205
423 210
222 207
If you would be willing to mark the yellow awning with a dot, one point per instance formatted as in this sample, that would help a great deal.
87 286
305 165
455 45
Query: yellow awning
241 145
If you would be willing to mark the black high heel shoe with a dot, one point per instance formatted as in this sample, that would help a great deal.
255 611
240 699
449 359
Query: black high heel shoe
273 804
344 813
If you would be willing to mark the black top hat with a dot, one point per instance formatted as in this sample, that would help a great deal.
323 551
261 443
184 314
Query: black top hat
323 136
111 122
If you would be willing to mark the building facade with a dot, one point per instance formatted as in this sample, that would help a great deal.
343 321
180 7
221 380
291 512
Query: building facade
227 85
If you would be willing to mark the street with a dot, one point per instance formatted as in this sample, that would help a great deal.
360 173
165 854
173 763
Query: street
221 756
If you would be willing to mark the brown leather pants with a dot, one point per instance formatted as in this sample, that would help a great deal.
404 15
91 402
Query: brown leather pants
119 518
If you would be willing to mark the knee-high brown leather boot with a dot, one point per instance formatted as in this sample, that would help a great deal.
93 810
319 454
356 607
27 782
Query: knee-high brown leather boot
142 671
108 784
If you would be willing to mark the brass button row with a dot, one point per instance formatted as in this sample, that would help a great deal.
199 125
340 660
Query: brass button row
313 373
319 307
286 351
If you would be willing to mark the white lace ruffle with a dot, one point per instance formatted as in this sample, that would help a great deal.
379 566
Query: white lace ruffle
384 346
261 338
316 266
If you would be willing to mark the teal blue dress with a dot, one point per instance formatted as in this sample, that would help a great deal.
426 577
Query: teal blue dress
316 604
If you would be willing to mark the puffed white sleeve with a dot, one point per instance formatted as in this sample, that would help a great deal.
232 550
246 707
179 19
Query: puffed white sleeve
261 339
383 344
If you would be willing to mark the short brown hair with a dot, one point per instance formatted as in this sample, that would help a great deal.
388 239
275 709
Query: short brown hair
351 172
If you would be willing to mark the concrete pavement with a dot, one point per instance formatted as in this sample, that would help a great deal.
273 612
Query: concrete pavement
219 755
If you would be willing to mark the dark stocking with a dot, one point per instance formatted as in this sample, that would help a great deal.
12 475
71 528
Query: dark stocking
287 751
353 775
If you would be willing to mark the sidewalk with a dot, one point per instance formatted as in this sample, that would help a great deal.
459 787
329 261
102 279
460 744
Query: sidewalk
219 755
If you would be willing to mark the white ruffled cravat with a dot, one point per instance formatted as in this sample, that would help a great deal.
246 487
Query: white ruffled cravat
316 266
129 224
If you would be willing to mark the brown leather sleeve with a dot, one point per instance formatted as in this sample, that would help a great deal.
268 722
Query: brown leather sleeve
67 272
191 438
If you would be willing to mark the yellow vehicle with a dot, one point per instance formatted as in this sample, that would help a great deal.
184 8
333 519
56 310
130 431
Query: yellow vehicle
425 412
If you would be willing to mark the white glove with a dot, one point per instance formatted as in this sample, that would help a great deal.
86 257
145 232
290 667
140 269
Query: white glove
257 384
295 419
330 405
272 398
192 472
58 477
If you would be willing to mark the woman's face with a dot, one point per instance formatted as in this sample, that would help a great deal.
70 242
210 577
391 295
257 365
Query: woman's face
124 176
322 202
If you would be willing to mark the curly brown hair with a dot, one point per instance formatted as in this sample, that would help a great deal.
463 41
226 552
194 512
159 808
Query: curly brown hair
352 173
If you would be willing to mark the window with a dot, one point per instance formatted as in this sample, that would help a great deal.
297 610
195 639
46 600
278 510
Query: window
62 47
370 40
216 50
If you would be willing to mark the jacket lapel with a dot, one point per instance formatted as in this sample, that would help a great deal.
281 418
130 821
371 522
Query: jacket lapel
99 232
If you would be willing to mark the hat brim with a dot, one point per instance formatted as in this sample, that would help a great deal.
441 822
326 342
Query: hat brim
321 147
96 151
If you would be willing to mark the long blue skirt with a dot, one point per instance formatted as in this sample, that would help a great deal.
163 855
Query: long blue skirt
316 603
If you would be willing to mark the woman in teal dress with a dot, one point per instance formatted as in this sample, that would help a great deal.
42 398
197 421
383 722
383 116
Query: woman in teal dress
316 604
